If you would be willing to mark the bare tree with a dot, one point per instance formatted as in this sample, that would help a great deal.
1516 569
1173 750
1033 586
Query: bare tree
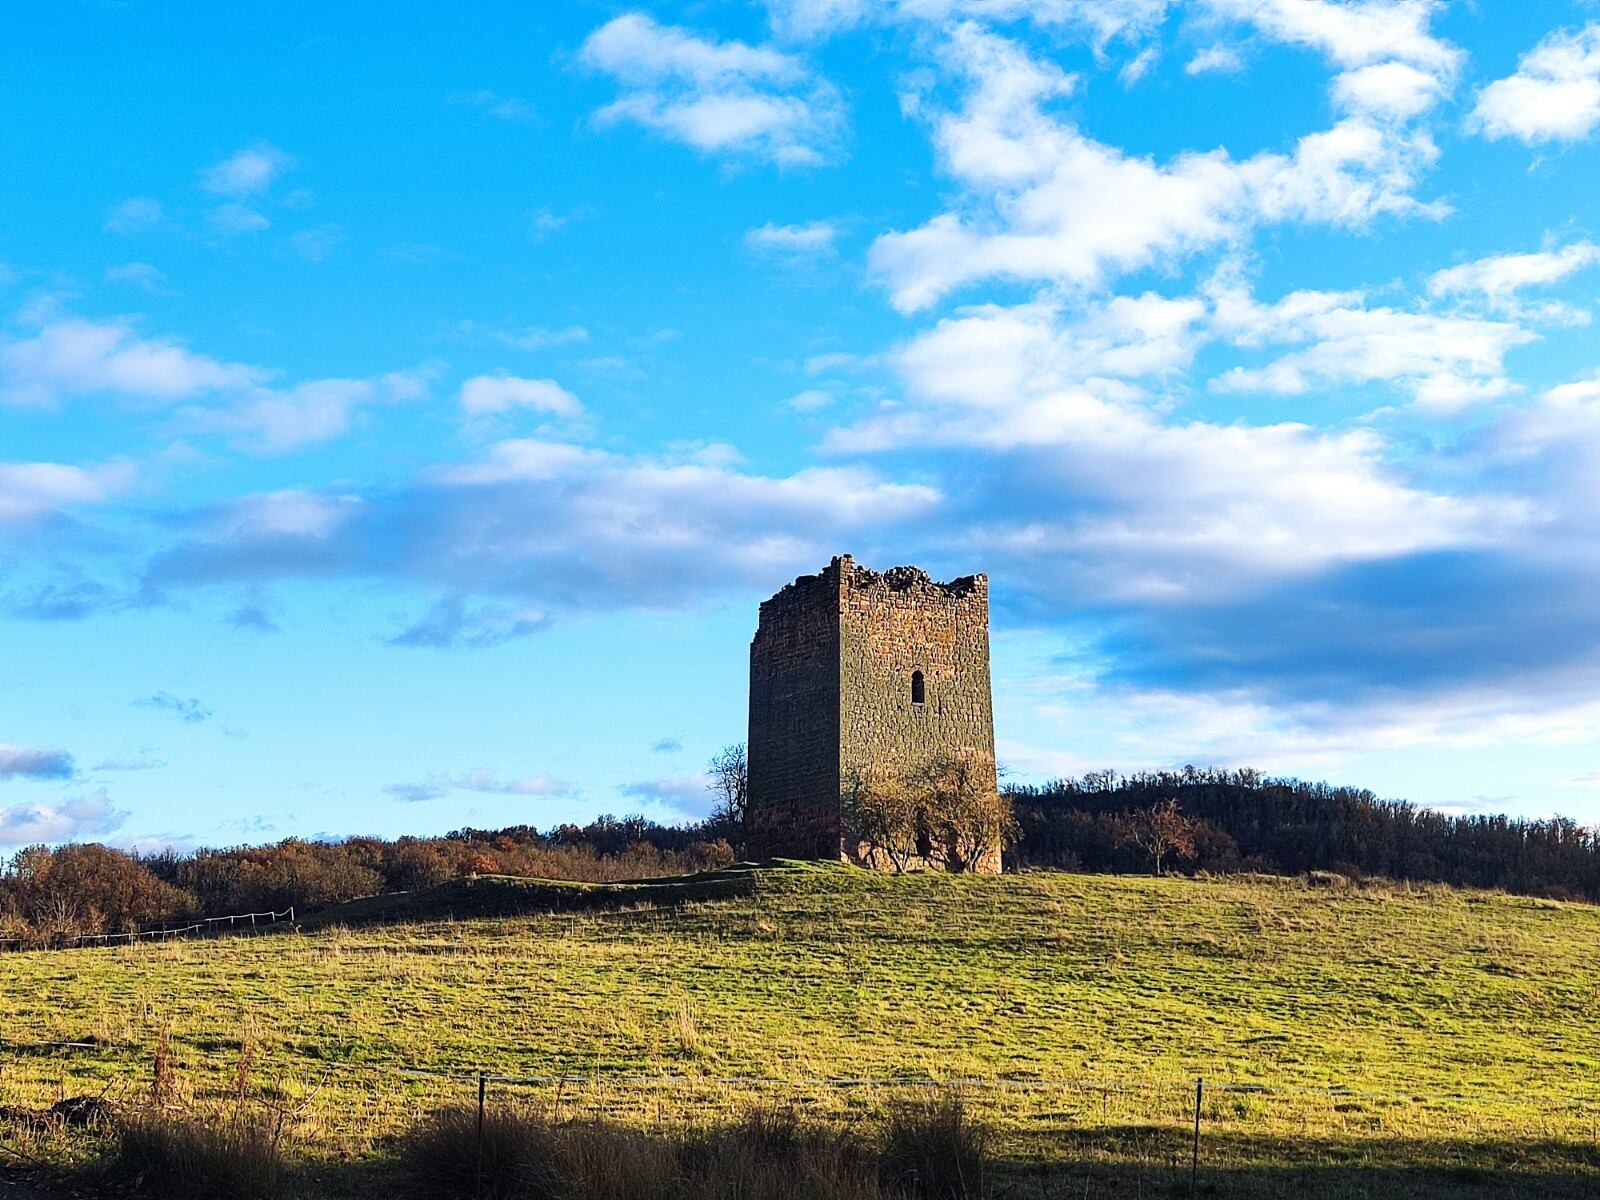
967 812
730 781
884 813
1162 832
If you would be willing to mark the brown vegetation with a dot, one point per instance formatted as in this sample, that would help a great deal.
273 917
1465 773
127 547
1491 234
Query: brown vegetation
949 811
930 1151
48 895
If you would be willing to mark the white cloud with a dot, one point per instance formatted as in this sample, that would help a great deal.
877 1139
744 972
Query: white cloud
1447 362
553 527
37 490
810 400
719 97
537 337
1076 483
1215 60
1139 66
1045 203
485 394
67 820
246 173
1351 33
1553 96
794 243
1498 280
72 356
263 420
1391 89
134 215
1098 21
140 275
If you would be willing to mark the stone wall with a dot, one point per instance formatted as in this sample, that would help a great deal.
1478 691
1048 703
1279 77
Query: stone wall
831 689
893 625
794 722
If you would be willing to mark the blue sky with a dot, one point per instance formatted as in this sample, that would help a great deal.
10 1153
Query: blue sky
402 411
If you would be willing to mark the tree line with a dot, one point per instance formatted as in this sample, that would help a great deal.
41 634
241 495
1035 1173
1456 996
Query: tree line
49 894
1240 820
1190 820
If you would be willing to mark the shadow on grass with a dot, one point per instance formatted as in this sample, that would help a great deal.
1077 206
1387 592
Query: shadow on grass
488 896
1155 1161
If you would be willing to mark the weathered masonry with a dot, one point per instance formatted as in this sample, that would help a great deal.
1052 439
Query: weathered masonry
852 667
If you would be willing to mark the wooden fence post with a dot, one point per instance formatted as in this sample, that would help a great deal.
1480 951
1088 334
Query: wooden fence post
1194 1160
482 1090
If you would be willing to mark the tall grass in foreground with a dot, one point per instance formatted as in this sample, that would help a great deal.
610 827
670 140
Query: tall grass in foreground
930 1152
189 1156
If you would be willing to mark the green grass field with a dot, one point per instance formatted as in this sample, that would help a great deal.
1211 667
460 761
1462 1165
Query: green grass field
1407 1041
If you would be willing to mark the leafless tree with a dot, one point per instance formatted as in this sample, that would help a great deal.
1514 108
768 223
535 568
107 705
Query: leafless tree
1162 832
884 813
730 781
966 809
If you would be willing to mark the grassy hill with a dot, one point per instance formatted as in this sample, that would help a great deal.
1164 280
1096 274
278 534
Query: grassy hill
1355 1041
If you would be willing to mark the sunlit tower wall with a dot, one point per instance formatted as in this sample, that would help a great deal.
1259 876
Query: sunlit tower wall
849 668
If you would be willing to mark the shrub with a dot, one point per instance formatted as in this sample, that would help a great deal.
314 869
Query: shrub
517 1155
769 1155
934 1148
233 1157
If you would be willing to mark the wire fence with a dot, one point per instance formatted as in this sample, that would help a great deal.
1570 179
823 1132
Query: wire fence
209 925
1119 1083
1173 1128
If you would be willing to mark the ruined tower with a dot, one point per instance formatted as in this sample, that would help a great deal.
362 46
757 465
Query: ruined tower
851 667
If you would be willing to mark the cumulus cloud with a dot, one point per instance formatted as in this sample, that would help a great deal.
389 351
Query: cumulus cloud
247 172
553 525
1074 483
1351 33
38 491
1215 60
69 356
481 780
811 400
1553 96
1498 281
1446 362
718 97
87 816
1097 21
1045 203
140 275
276 420
485 394
20 762
794 243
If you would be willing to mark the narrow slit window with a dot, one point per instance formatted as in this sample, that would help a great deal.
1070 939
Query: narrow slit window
919 691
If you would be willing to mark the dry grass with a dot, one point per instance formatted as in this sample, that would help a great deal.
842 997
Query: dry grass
189 1156
1126 987
521 1152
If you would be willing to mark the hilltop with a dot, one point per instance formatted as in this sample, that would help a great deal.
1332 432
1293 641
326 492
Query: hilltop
1379 1037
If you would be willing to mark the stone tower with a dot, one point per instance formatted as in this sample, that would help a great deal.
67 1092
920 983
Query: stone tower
849 668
